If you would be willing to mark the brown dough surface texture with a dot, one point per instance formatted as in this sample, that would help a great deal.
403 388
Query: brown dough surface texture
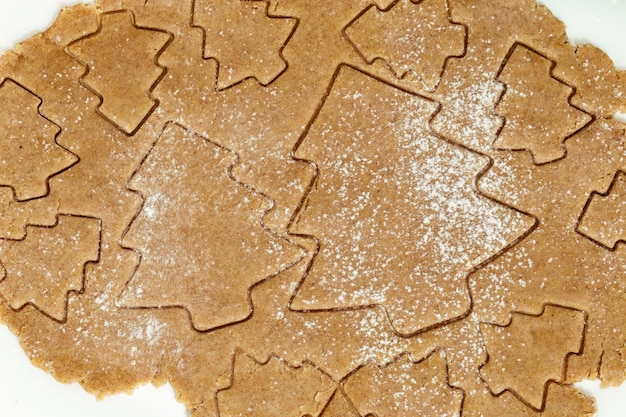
304 209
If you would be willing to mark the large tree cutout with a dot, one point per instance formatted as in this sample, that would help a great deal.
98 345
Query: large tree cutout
398 218
199 233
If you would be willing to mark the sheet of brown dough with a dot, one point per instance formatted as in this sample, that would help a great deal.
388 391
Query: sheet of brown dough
381 205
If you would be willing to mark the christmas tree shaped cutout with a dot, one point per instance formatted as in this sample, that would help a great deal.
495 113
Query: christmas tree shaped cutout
245 39
410 37
49 264
30 153
604 218
123 80
408 224
199 233
536 107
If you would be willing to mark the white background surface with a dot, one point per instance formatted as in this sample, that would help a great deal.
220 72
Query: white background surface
29 392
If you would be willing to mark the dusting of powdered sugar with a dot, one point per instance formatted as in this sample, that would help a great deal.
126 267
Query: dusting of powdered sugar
408 222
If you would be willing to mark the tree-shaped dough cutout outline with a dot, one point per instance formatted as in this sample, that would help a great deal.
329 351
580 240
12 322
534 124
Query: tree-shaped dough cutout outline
122 68
48 264
405 387
409 36
30 152
199 233
244 38
603 219
538 113
390 186
531 351
258 389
